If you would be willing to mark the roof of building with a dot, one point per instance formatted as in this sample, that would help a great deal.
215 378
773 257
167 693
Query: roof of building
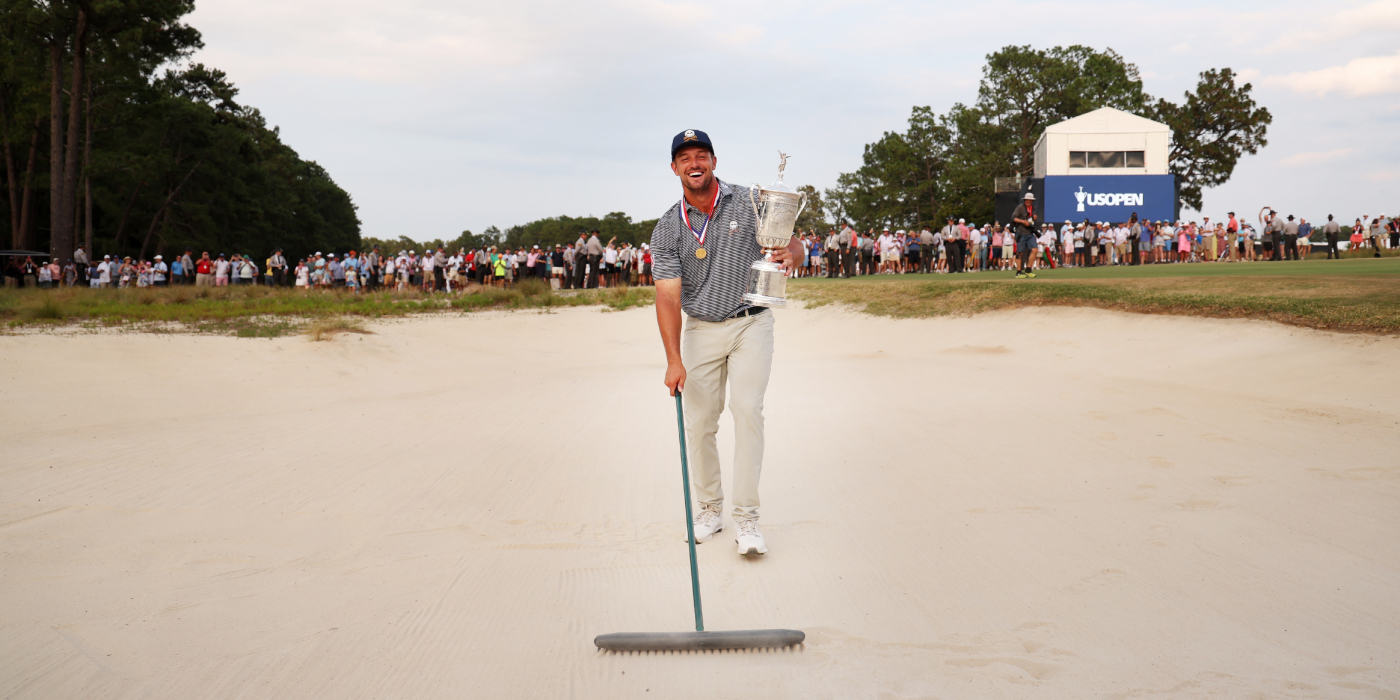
1106 120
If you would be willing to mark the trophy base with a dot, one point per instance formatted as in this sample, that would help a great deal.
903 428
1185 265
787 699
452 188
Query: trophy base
770 302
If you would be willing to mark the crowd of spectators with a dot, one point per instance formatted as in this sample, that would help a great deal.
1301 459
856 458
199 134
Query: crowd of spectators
963 247
588 263
585 264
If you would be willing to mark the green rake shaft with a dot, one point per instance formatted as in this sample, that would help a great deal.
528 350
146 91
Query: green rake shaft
699 639
689 520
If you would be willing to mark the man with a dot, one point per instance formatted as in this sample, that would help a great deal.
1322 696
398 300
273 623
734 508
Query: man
843 242
1290 239
80 260
885 244
595 258
336 268
1134 234
105 269
703 269
624 264
439 270
833 254
373 261
158 272
1374 232
568 280
1305 231
950 245
221 268
1274 230
928 251
277 268
1023 224
974 247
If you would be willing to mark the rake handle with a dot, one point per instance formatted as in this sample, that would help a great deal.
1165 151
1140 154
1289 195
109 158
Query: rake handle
689 521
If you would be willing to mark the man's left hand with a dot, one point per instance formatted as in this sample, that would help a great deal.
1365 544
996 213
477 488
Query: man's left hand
788 256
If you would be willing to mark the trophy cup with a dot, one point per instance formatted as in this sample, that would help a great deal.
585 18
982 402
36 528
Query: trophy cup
775 209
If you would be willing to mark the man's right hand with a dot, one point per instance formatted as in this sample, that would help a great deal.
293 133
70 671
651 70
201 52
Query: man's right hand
675 378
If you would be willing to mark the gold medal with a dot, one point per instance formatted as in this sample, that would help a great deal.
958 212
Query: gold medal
700 253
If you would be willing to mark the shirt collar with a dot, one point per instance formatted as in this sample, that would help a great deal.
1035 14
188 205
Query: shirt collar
725 190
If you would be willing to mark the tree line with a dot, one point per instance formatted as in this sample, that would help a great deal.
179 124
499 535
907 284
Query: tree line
546 233
946 164
114 141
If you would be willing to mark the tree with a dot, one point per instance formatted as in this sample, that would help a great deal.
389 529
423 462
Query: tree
812 217
947 164
140 161
1211 129
1025 90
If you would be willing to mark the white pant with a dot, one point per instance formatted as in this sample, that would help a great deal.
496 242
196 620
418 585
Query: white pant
739 350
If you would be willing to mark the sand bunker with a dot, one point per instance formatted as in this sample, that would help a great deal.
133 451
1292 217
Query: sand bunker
1038 503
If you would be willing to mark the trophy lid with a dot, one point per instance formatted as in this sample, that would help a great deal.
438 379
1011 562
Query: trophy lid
778 184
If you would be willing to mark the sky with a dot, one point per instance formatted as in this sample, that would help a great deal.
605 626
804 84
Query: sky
439 116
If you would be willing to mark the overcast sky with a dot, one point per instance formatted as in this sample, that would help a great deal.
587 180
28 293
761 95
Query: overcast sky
444 115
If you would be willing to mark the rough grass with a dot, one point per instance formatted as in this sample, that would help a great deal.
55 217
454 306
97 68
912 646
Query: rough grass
1346 301
327 328
257 311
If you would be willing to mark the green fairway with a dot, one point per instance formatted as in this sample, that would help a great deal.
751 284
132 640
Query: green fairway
1358 295
1379 267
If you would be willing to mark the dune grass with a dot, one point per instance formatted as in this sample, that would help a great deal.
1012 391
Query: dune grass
257 311
1353 296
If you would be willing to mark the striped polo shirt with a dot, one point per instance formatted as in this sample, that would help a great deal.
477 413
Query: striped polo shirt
713 288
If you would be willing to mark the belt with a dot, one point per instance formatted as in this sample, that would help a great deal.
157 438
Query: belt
749 311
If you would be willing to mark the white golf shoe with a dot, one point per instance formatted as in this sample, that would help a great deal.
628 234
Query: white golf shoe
749 538
707 523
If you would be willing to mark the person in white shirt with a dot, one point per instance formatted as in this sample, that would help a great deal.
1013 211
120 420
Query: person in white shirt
221 271
427 264
1120 245
1047 246
158 271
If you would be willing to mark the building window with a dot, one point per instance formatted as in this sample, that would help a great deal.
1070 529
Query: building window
1106 159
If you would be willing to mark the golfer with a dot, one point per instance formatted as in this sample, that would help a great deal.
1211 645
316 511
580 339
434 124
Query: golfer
702 248
1023 221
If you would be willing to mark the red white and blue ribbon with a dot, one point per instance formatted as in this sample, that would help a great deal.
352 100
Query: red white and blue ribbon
685 216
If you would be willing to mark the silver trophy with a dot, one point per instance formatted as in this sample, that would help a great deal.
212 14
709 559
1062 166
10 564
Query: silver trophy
775 209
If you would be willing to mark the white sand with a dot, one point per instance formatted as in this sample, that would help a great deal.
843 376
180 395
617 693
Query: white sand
1042 503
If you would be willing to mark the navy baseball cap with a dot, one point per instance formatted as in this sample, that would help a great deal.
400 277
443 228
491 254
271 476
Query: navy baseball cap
691 137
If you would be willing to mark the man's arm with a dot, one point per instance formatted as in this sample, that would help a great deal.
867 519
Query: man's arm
668 319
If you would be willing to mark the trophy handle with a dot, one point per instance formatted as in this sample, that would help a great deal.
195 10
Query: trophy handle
801 206
754 202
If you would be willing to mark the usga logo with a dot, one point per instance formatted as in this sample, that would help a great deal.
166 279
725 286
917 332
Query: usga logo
1105 199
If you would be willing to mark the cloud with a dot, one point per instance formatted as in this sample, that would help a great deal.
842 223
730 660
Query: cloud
1375 18
1180 48
1362 77
1383 176
1314 157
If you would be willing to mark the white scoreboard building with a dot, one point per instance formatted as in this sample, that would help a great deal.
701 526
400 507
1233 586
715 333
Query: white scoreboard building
1104 166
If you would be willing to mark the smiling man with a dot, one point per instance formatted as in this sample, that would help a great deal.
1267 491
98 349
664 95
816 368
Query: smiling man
702 248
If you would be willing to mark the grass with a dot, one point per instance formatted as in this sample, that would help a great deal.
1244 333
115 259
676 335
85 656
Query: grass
327 328
263 312
1361 295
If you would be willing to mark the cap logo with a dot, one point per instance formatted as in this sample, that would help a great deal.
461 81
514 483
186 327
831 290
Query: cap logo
689 134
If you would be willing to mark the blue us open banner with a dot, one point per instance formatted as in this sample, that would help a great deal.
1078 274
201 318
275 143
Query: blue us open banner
1111 198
